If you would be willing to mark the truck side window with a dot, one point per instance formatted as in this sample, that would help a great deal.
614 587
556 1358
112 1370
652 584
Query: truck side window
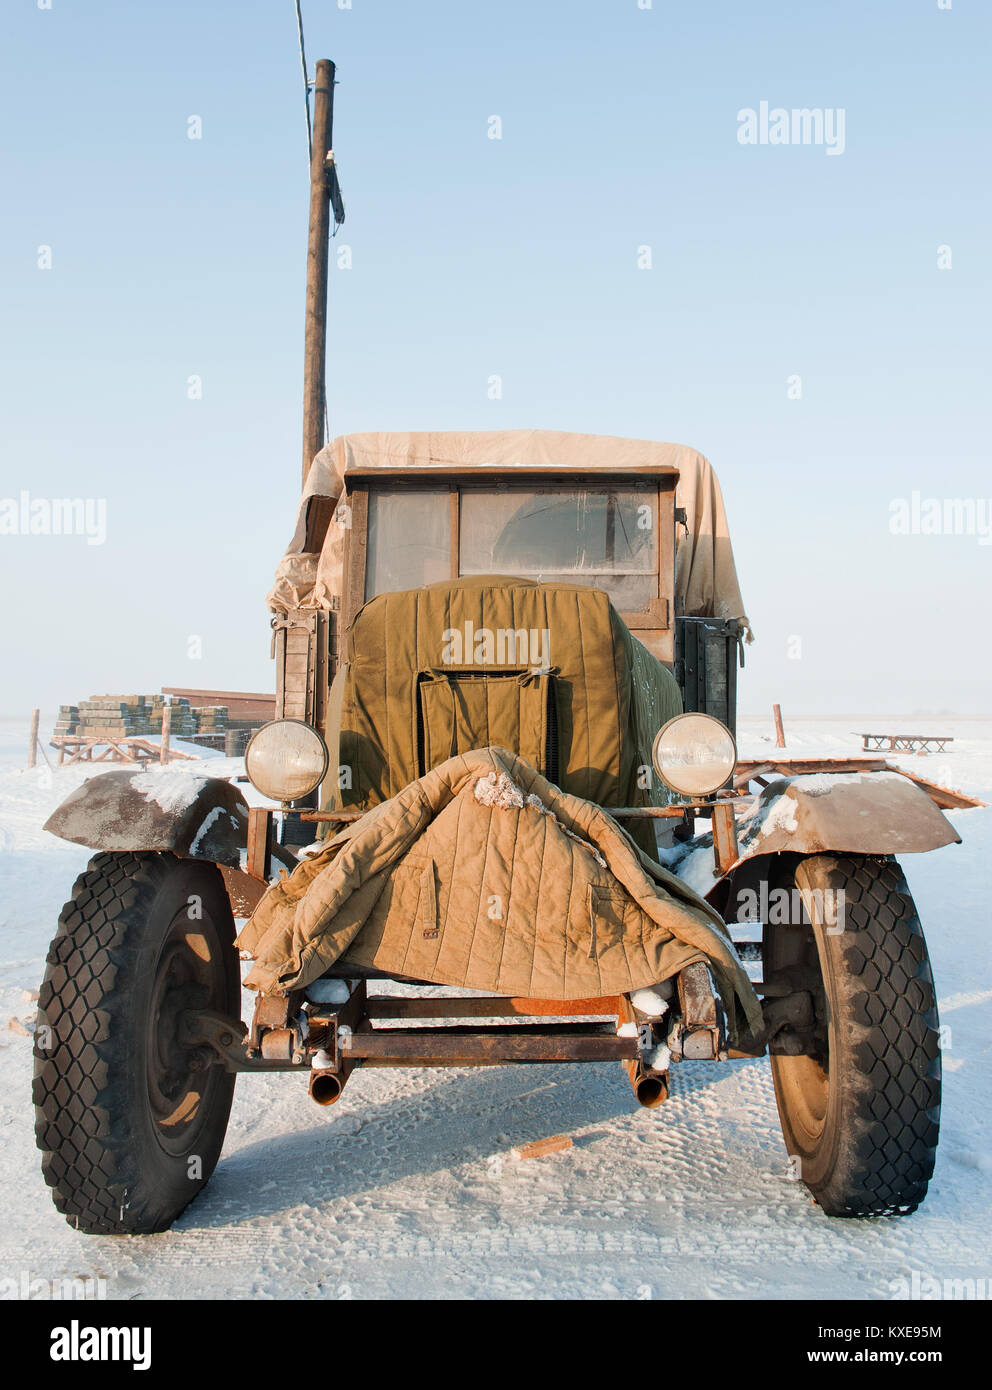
409 539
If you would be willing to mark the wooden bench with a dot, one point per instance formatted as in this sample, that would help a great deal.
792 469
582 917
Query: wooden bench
904 743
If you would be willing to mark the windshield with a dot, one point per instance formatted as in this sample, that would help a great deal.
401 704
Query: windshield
601 536
596 536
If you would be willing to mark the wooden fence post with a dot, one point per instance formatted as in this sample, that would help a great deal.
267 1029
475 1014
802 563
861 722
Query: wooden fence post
166 729
779 731
33 748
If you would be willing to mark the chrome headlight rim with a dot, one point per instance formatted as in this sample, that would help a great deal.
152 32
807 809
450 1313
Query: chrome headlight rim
695 793
296 793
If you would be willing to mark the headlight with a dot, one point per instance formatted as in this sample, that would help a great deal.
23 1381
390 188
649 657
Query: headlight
286 759
694 754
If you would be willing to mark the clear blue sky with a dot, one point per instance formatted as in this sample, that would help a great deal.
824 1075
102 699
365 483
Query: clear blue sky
517 257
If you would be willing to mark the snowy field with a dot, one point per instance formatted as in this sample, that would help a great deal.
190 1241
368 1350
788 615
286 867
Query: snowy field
405 1187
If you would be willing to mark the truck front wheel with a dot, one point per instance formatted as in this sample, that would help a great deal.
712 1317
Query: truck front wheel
860 1115
130 1119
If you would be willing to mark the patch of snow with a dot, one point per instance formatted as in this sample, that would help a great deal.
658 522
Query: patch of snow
172 788
696 869
209 820
649 1001
963 1000
973 1158
671 856
818 783
328 992
497 789
659 1058
780 815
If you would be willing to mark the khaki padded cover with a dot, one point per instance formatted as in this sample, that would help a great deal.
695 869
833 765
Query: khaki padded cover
548 898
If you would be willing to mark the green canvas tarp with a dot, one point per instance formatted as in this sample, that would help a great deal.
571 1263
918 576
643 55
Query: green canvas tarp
547 670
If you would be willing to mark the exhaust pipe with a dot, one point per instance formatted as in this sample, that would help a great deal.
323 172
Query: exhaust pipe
650 1087
326 1086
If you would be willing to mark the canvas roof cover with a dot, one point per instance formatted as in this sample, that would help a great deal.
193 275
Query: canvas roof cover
705 576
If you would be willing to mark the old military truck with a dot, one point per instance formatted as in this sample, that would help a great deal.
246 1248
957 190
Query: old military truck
521 629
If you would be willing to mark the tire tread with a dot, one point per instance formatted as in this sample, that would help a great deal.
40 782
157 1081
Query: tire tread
79 1087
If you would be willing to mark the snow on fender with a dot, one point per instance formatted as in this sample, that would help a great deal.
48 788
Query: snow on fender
168 808
853 813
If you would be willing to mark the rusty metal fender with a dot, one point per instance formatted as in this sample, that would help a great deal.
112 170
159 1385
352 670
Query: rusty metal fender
195 816
853 813
843 813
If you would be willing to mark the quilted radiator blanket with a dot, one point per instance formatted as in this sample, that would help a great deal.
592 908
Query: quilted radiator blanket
483 874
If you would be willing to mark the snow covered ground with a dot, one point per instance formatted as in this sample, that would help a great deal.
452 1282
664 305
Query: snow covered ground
405 1188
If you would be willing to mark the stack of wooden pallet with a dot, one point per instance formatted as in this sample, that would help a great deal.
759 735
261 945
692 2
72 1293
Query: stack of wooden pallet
68 720
210 719
130 716
182 720
104 716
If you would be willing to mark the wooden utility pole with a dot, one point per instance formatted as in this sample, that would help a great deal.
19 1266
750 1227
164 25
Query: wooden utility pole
33 747
779 731
163 753
323 187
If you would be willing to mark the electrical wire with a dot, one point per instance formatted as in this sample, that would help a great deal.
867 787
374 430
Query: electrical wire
306 79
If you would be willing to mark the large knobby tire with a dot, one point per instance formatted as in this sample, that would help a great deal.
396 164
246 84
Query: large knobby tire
129 1118
860 1119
